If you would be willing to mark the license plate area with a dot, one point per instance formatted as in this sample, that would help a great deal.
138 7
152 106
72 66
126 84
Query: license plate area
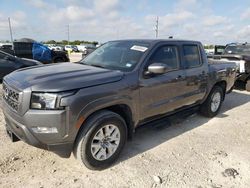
12 136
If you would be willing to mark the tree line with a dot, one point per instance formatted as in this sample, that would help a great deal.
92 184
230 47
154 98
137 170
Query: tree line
65 42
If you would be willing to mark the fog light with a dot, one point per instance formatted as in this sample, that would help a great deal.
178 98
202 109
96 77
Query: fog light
45 129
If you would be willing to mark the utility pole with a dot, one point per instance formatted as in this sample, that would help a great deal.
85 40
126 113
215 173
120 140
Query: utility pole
157 27
68 33
11 36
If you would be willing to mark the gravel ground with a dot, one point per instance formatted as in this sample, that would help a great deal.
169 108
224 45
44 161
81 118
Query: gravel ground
74 57
191 152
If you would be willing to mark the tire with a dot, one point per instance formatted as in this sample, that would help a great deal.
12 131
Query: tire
212 105
96 151
58 60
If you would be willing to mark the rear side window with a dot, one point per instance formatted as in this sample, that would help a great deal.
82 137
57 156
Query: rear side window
191 56
167 55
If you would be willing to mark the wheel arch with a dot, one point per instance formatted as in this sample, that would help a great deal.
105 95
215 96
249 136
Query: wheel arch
223 85
121 109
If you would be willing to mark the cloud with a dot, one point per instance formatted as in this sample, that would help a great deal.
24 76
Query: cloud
245 15
106 6
68 14
244 33
215 20
18 23
186 4
170 20
38 3
104 20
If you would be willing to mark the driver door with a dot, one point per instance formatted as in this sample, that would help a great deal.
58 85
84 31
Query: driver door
163 93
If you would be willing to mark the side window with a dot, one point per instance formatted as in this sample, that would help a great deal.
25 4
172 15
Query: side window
191 56
167 55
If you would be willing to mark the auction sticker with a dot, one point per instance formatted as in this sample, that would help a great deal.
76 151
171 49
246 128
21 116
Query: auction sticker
139 48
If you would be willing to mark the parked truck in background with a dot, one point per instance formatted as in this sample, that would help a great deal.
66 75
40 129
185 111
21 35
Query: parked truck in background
240 54
92 107
30 49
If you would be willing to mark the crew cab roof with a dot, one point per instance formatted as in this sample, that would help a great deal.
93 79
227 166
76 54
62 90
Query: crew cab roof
154 41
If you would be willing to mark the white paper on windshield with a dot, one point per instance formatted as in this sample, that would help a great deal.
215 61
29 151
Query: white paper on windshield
139 48
128 65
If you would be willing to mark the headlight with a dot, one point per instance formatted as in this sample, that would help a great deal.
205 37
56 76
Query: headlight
43 101
49 101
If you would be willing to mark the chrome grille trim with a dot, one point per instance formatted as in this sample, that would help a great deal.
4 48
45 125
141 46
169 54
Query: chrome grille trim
11 97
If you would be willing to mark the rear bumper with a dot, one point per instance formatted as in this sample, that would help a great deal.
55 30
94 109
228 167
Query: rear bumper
21 127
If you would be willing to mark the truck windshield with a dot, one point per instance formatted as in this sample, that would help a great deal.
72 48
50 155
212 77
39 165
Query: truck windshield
117 55
238 49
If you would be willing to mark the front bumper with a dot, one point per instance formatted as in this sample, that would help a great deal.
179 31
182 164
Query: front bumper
21 127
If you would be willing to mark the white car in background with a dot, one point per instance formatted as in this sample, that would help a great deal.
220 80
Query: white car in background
84 47
54 47
81 48
71 48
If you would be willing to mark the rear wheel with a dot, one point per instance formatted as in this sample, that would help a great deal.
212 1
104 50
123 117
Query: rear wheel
102 140
211 106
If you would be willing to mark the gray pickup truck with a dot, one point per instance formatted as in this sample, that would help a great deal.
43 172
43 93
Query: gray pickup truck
92 107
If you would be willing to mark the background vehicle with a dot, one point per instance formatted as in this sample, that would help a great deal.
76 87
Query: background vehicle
84 47
88 50
219 49
93 106
7 48
70 48
9 63
28 48
240 54
55 47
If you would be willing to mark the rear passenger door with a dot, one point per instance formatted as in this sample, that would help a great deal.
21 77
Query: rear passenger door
160 94
196 71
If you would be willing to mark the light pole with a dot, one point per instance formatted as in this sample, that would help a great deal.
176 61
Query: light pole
157 27
11 36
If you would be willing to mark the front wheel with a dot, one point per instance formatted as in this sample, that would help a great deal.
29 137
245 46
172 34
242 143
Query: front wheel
211 106
102 140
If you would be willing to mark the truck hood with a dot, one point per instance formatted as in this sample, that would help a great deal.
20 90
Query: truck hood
29 62
61 77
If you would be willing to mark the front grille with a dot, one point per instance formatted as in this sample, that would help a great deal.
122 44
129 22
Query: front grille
11 97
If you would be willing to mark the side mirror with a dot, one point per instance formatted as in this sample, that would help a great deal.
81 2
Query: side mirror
157 68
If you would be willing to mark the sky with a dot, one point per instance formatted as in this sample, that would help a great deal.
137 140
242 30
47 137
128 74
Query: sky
209 21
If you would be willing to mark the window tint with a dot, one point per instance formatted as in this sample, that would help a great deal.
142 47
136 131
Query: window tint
191 56
167 55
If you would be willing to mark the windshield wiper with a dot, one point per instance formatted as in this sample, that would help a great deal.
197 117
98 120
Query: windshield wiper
96 65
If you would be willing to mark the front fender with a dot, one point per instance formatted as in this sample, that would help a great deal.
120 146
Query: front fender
106 102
